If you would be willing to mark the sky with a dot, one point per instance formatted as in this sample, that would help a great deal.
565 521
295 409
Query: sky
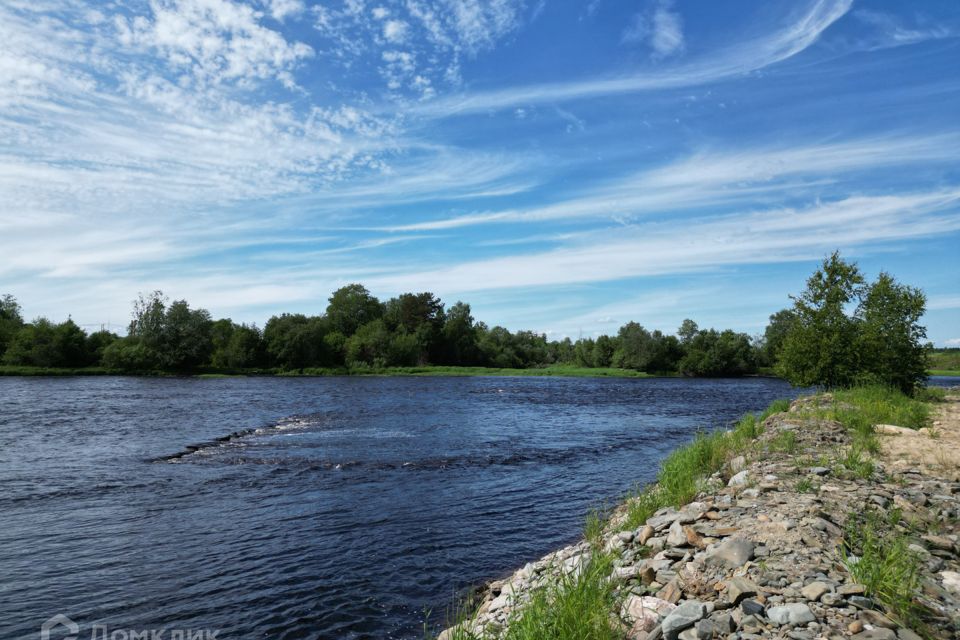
563 166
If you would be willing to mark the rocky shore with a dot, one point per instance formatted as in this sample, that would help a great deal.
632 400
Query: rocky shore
780 543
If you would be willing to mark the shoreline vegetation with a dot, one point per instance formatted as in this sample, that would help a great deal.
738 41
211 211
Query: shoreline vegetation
817 341
560 371
791 522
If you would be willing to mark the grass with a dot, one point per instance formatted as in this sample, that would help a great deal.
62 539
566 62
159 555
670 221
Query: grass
577 606
878 557
944 372
854 460
683 472
785 442
805 485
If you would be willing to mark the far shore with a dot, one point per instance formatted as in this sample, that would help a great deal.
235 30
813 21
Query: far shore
424 371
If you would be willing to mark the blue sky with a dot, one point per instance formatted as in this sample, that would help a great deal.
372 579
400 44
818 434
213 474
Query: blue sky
562 166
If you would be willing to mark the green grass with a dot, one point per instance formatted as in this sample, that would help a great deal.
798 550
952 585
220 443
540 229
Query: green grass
878 557
857 462
683 472
576 606
593 527
785 442
945 359
944 372
17 370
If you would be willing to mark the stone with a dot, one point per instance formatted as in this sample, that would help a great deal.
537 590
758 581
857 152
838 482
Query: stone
795 613
951 581
739 479
694 539
645 612
625 536
855 627
751 608
648 575
860 602
689 634
939 542
671 592
676 537
814 590
738 589
738 464
877 619
819 471
907 634
683 617
644 534
851 589
732 553
831 599
876 634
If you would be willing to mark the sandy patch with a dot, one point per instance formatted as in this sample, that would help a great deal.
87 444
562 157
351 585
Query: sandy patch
936 450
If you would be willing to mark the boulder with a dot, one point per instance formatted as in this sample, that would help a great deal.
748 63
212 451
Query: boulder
795 613
731 553
645 612
683 617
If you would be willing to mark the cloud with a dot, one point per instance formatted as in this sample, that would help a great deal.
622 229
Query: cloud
889 31
214 41
944 302
737 59
720 179
952 342
659 27
691 245
280 10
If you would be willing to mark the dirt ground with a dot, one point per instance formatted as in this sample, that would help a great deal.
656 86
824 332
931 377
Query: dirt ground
936 450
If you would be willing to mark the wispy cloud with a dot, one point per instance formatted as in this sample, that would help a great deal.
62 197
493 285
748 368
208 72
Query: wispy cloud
740 58
659 27
711 178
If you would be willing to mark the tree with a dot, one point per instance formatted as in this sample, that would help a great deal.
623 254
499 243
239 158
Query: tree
186 341
891 341
11 320
603 351
714 353
688 329
460 336
351 307
820 347
634 347
775 334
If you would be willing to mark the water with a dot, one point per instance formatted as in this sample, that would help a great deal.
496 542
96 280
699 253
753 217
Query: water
343 507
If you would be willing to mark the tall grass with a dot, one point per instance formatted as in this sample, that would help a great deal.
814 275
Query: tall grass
682 473
879 558
577 606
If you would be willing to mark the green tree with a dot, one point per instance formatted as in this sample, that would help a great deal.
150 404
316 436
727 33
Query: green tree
635 347
714 353
688 329
820 347
775 334
603 351
11 320
892 342
186 338
97 342
460 336
370 345
351 307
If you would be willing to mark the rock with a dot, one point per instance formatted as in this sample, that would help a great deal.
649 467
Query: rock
906 634
876 634
717 627
683 617
732 553
625 536
644 534
648 575
877 619
751 608
860 602
738 589
795 613
819 471
645 612
814 590
694 539
851 589
951 581
831 599
939 542
689 634
855 627
739 479
676 537
671 592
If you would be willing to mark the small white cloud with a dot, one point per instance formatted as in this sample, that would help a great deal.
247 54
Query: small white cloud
520 114
952 342
659 27
280 10
380 12
395 31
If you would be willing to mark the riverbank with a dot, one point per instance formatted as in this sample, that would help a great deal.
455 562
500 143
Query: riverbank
558 371
809 521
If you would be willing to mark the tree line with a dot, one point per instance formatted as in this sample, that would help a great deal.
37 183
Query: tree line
817 341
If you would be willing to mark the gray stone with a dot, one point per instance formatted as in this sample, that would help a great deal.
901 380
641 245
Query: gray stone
877 619
740 588
738 464
676 537
831 599
820 471
751 608
876 634
683 617
851 589
860 602
732 553
795 613
739 479
906 634
814 590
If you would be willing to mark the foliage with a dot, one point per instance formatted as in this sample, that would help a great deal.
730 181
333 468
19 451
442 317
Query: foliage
574 606
712 354
880 342
880 559
351 307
